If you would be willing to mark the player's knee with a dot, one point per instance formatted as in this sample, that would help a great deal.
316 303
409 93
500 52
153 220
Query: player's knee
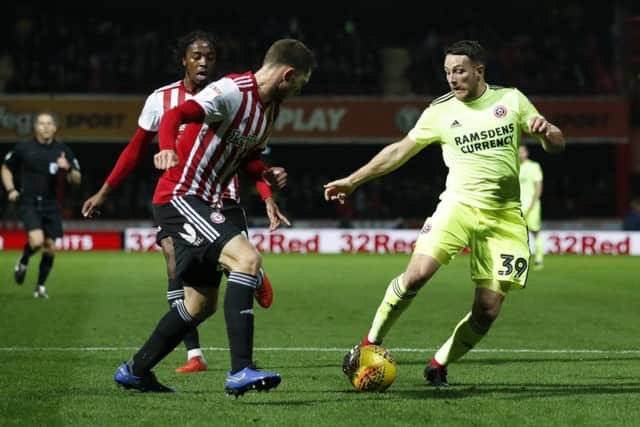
49 247
485 312
200 310
416 277
250 263
210 309
36 244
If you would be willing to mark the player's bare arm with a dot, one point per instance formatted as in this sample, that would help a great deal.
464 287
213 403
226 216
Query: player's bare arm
387 160
551 136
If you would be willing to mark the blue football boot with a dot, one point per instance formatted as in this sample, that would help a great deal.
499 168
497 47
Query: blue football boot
145 384
250 378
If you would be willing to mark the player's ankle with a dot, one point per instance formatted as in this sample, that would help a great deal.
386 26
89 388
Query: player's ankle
433 362
366 341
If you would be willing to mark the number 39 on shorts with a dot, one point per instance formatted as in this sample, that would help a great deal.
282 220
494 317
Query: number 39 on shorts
510 263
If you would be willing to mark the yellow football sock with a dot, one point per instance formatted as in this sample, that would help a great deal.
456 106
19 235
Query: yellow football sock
465 336
395 301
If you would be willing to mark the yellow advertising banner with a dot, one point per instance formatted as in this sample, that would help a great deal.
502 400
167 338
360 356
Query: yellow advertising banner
80 118
330 120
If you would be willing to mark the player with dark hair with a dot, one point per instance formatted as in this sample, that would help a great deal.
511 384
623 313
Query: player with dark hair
479 128
231 120
196 53
39 161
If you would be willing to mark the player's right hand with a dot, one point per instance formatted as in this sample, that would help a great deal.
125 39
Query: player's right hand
91 205
165 159
338 190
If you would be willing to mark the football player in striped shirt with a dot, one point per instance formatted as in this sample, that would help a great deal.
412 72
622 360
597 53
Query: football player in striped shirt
230 121
196 53
479 129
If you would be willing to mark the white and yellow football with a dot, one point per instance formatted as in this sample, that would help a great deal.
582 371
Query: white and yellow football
371 368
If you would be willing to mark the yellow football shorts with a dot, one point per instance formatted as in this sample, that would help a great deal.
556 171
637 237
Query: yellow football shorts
497 239
534 219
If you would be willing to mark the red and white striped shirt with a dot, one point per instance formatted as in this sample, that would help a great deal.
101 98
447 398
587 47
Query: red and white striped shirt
164 99
236 126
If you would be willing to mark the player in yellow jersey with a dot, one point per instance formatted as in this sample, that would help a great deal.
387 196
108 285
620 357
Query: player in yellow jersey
530 192
478 127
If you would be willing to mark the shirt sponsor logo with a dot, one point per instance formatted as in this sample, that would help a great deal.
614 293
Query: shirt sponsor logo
238 139
500 136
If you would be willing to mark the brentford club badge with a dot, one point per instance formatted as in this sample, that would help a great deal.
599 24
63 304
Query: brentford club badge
500 111
217 218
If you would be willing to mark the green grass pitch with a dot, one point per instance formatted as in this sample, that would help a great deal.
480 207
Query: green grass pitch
565 351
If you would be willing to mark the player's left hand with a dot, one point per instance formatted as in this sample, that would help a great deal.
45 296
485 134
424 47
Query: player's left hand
165 159
275 176
275 216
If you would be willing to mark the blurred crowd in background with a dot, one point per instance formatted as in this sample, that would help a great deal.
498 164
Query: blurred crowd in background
544 49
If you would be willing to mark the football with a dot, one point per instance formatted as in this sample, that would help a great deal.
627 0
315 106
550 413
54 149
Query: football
371 368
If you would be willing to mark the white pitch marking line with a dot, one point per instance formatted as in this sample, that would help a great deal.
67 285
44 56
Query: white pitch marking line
335 349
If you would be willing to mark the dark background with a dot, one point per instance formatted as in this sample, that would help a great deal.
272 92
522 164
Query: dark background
544 49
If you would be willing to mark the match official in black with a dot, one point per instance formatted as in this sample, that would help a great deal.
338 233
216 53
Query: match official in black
38 163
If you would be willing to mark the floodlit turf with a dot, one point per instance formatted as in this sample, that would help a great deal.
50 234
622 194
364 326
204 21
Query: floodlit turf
564 352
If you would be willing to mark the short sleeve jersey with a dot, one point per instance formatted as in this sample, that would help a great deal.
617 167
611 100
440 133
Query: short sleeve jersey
479 142
37 165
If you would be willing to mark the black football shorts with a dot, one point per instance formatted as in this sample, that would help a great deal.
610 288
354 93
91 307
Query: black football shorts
199 233
37 213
